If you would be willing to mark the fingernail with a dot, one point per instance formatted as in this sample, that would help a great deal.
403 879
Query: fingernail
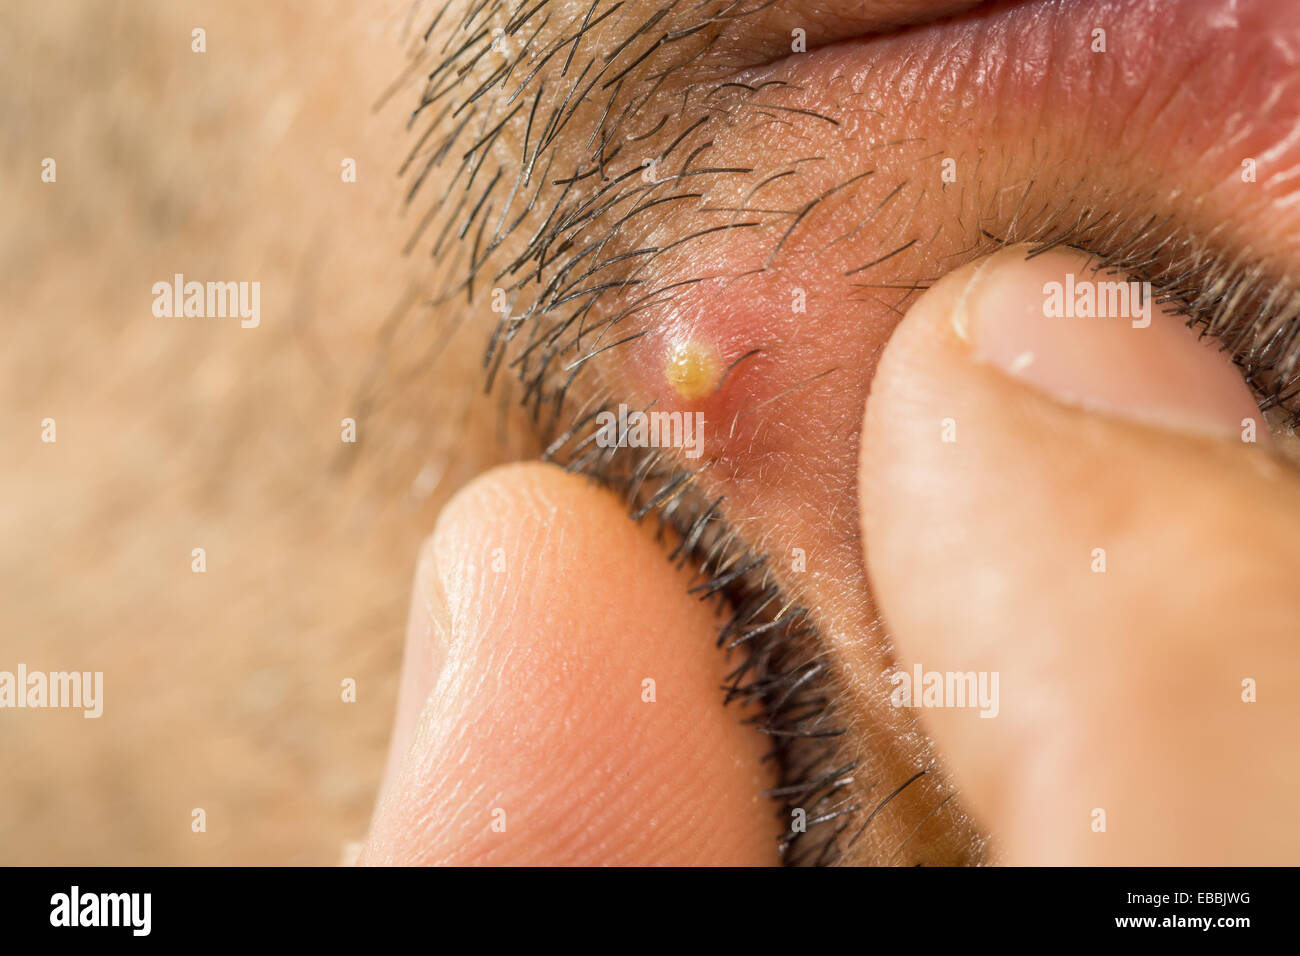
1097 341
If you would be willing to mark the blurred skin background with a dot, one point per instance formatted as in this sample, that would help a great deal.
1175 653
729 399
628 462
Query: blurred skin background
222 690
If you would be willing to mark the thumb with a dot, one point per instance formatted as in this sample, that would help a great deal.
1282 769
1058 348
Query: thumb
1064 524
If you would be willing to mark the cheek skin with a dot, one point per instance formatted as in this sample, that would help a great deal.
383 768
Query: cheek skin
951 92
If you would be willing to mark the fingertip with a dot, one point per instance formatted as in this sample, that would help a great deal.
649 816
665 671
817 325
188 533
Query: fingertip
577 717
1088 540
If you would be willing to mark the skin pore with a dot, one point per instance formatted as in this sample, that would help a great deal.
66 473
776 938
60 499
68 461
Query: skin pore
783 208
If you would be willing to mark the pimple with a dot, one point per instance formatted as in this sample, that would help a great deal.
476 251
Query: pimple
693 369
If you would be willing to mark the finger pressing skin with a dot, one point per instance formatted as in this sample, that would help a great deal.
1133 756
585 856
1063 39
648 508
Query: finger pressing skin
1066 506
561 702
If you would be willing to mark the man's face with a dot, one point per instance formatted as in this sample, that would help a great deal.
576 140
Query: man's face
714 210
723 210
